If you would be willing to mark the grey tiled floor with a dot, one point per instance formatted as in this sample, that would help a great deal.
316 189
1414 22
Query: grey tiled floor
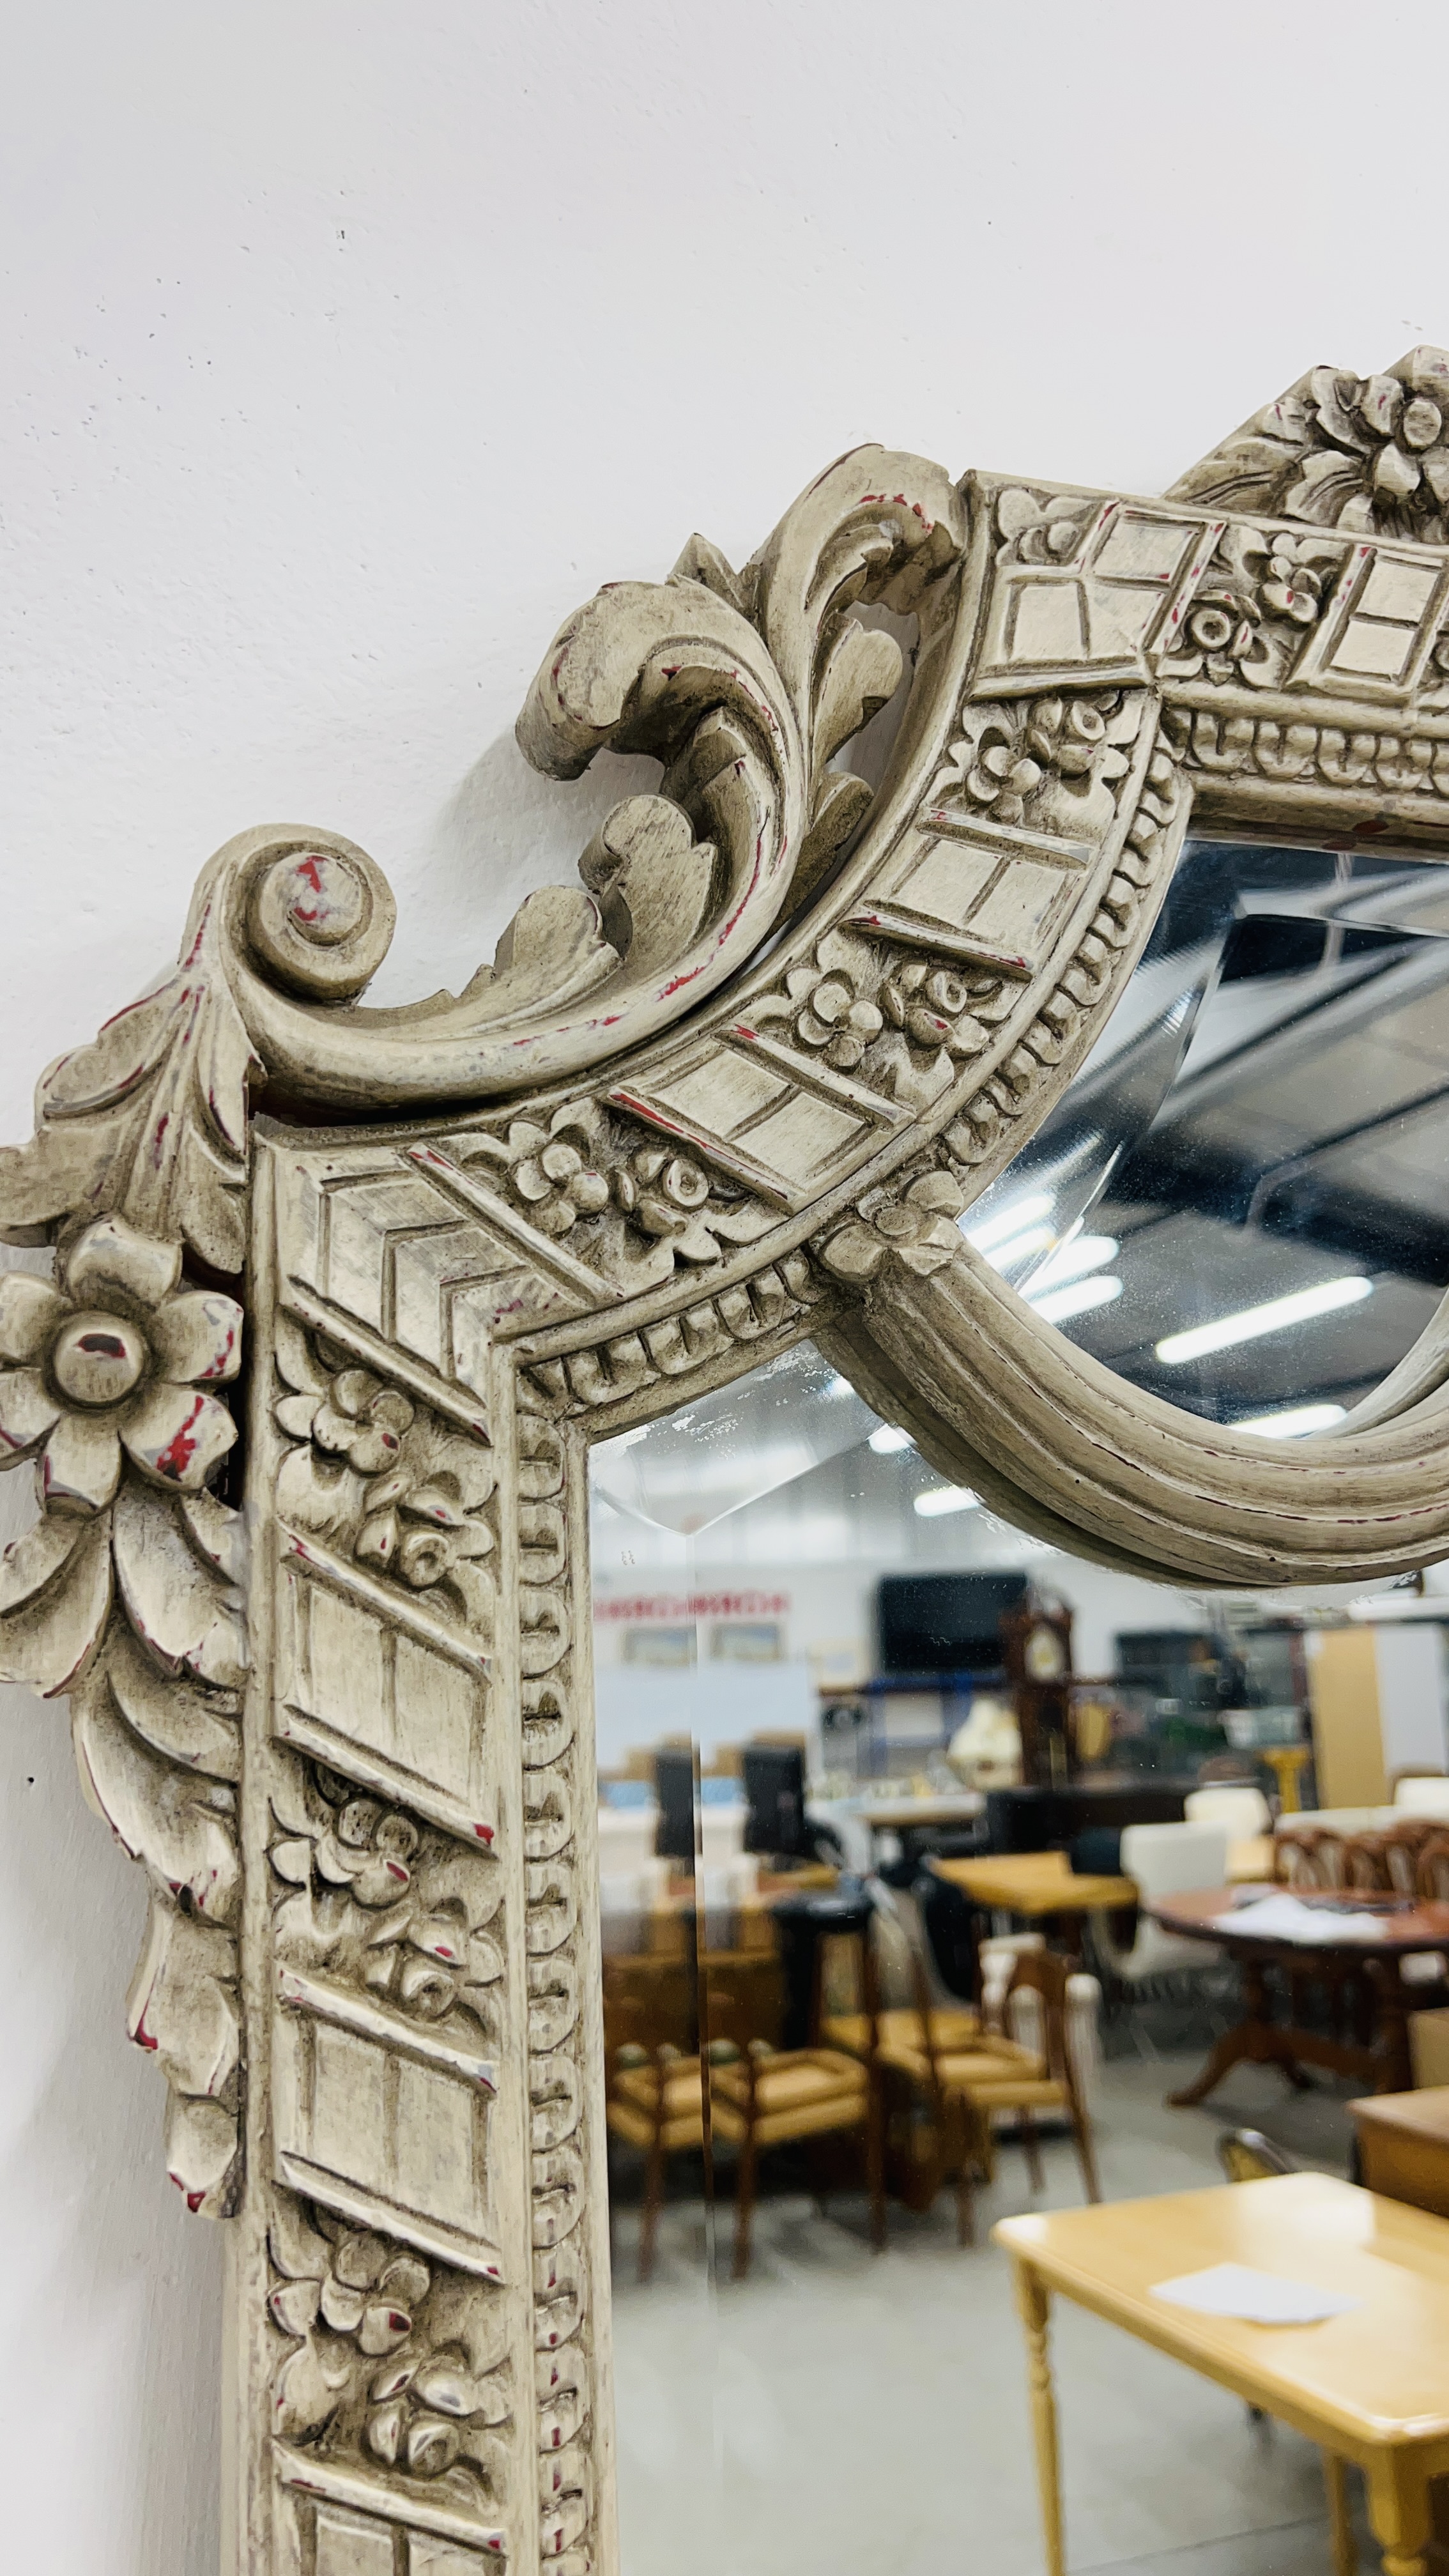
843 2411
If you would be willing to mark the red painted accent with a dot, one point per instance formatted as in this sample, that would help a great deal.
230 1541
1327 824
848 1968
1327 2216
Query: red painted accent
396 1870
158 1141
142 2036
218 1366
484 1833
311 869
180 1449
109 1345
398 2322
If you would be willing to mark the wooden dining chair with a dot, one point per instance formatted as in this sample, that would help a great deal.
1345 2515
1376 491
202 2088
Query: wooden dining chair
1048 2083
1432 1872
964 2079
760 2097
653 2085
1247 2156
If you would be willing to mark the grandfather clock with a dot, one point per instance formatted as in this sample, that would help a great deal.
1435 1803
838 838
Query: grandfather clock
1036 1649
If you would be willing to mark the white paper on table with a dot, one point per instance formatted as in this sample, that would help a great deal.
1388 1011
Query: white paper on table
1284 1918
1263 2298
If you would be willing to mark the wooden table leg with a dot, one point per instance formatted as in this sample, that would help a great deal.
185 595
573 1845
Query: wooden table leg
1340 2517
1033 2302
1255 2038
1399 2514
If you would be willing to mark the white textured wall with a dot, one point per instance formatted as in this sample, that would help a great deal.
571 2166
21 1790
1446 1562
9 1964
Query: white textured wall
346 348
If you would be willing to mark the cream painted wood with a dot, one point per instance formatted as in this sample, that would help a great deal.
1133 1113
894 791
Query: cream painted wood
734 1089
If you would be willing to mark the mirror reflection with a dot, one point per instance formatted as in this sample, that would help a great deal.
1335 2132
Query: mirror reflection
948 1879
1240 1202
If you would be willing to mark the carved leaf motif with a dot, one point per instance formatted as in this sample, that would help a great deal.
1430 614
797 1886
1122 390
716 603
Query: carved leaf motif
55 1598
172 1599
180 1827
150 1117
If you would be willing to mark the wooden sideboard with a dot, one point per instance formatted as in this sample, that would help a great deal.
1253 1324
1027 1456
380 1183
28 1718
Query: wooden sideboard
1403 2146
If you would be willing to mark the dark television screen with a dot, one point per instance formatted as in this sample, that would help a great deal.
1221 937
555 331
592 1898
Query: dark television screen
944 1623
774 1786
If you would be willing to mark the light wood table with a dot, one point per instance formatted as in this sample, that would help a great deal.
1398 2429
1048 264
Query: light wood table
1370 2386
1036 1884
1403 2144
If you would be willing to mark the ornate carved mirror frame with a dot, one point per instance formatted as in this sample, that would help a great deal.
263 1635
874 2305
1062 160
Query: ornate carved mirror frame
734 1090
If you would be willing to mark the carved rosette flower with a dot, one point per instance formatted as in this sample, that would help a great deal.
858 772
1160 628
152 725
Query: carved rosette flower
374 2367
1293 582
1052 763
106 1388
1042 531
666 1196
361 1420
368 1894
403 1497
552 1181
1365 454
1247 622
832 1017
114 1357
919 1229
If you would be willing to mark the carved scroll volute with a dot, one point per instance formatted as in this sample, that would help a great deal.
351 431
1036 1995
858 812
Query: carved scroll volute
745 686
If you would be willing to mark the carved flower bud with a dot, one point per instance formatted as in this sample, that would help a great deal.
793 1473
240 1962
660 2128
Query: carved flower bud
341 2306
293 2306
396 1837
560 1162
358 1823
423 1558
353 1391
385 2431
378 1539
685 1183
1086 724
381 1883
359 2259
407 2282
589 1192
626 1191
447 2387
432 2446
1421 423
946 992
426 1988
384 2326
392 2379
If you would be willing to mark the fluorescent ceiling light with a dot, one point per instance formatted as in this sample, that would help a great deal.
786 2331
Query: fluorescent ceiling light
998 1229
946 1498
1255 1320
888 1439
1084 1252
1060 1303
1005 1256
1295 1423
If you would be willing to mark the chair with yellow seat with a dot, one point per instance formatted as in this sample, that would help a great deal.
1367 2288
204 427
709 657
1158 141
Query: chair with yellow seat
761 2097
967 2088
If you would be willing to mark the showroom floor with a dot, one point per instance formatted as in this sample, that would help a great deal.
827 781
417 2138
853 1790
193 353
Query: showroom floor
839 2411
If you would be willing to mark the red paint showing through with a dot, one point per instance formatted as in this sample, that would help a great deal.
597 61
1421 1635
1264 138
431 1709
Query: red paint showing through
180 1449
484 1833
